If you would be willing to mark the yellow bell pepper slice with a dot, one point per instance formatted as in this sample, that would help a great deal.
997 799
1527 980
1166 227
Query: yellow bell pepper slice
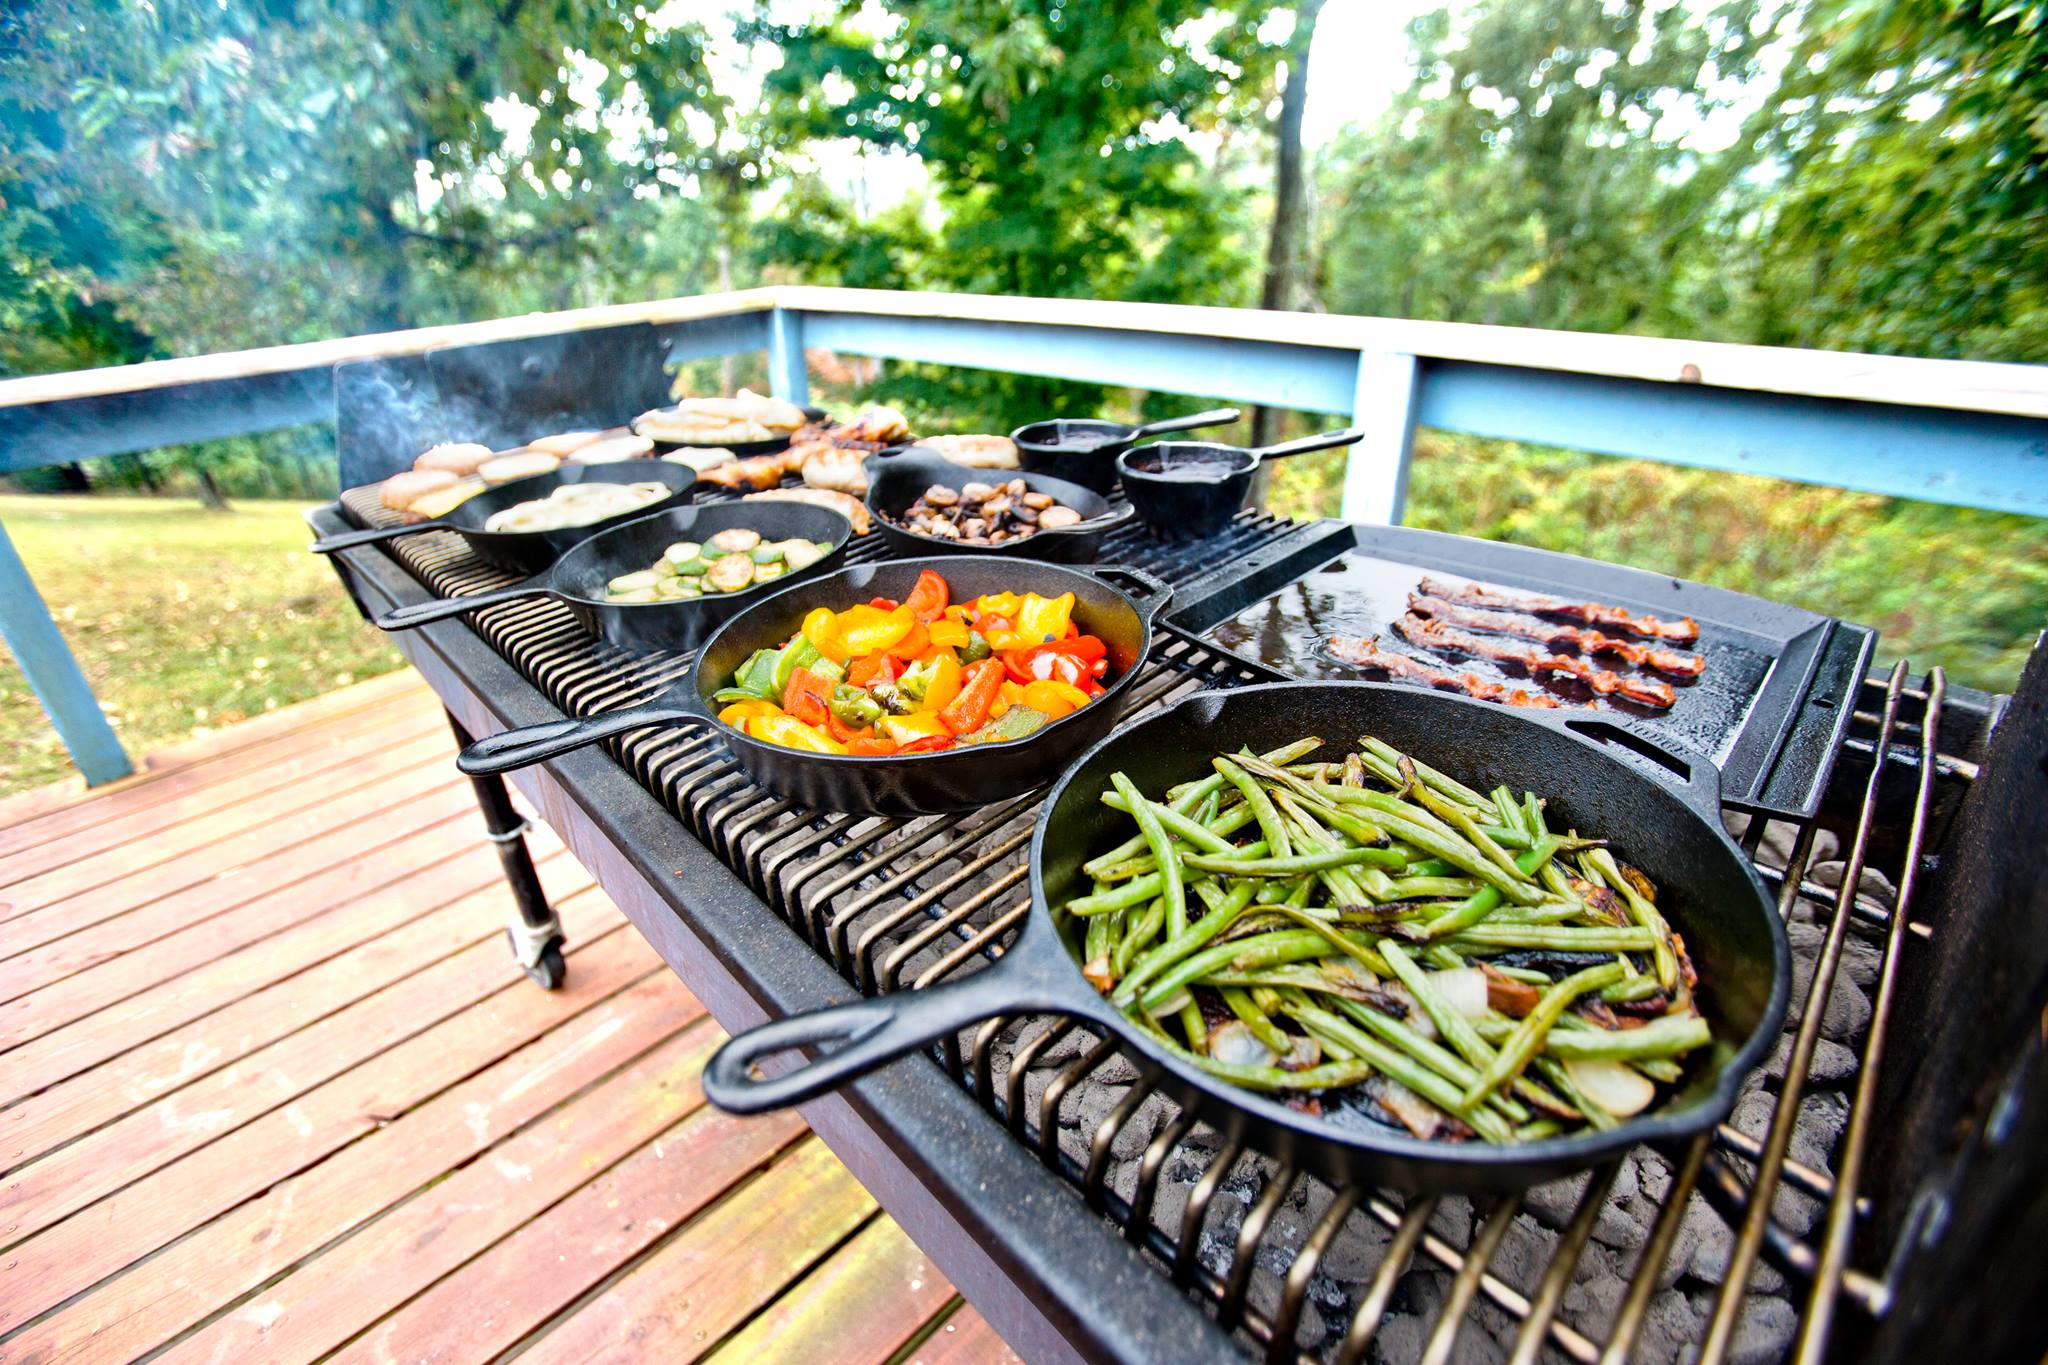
949 633
821 628
945 683
791 733
868 630
740 712
1054 697
1007 696
1044 618
915 726
998 604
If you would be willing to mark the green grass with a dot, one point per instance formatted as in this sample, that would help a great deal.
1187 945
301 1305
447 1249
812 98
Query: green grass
1943 585
184 620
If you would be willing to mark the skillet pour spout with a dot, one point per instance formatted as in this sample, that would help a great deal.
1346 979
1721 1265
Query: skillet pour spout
1669 826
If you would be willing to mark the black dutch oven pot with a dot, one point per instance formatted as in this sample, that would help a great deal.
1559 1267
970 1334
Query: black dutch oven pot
529 552
919 784
897 481
579 578
1708 890
1084 450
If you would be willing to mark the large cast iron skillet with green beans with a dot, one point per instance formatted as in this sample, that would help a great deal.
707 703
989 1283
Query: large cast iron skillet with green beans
579 578
1670 829
1114 604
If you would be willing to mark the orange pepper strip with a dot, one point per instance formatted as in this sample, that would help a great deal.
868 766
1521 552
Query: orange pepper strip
978 687
807 697
910 646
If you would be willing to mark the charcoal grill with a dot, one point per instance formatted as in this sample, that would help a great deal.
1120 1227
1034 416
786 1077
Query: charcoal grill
1082 1212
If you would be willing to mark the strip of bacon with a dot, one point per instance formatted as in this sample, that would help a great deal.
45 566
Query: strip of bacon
1684 629
1366 653
1582 638
1436 635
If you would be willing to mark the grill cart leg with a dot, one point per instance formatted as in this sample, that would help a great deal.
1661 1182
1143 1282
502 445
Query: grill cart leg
535 933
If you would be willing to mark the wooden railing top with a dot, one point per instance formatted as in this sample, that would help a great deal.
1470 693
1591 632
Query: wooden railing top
1974 386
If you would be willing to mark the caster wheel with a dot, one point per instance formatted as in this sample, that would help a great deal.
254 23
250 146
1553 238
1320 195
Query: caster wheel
550 971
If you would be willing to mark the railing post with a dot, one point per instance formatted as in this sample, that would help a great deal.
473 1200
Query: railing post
786 373
59 683
1383 403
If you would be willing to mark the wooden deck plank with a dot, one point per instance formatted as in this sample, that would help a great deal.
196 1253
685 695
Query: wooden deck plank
532 1275
242 777
150 1070
23 808
39 1193
442 862
718 1269
965 1338
869 1299
349 1286
383 1130
254 918
245 833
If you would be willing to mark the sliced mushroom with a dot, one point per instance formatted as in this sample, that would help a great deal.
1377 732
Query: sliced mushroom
1054 518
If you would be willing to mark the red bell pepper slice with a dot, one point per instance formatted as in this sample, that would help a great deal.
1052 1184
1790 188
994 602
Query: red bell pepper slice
806 697
870 669
978 687
930 598
871 746
883 603
930 744
841 731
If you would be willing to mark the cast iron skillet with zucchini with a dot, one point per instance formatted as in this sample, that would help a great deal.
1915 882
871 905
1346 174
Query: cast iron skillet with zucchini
1116 605
606 580
1708 894
530 552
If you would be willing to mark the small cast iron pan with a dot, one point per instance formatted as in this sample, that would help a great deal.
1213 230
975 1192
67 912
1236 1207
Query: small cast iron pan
579 577
530 552
1189 490
1707 888
921 784
1084 451
896 481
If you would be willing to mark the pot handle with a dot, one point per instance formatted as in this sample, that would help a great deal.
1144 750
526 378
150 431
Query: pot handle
531 744
1697 779
1149 594
1214 417
349 540
417 614
868 1032
1348 436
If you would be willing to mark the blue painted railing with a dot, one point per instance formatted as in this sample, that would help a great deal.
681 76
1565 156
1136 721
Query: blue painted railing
1945 431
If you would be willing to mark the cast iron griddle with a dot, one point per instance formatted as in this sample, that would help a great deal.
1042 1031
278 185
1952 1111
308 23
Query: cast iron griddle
1769 711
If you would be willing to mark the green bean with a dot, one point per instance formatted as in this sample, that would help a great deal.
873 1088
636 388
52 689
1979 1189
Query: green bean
1329 1076
1136 891
1425 888
1193 831
1266 950
1171 888
1441 781
1344 884
1144 927
1262 806
1671 1036
1290 866
1400 1067
1181 945
1435 1056
1446 845
1456 1029
1635 988
1563 938
1659 1069
1527 1039
1645 914
1486 900
1431 867
1554 1072
1358 952
1239 1002
1538 1129
1192 1025
1459 820
1510 814
1095 943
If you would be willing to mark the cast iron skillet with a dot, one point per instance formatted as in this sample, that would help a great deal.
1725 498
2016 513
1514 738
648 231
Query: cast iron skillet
1084 450
1189 490
529 552
896 481
1708 889
921 784
579 577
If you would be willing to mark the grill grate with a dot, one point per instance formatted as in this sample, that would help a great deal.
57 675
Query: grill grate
1651 1257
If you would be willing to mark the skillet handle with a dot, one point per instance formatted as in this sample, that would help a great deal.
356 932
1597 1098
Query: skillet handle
868 1033
1348 436
425 613
1695 777
531 744
349 540
1148 593
1214 417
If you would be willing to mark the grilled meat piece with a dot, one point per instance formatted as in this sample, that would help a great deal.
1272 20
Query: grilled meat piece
1594 613
1436 635
1368 654
1587 641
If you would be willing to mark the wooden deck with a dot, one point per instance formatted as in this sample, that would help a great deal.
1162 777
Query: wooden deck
271 1088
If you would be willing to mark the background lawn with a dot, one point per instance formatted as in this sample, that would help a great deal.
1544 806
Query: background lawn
184 620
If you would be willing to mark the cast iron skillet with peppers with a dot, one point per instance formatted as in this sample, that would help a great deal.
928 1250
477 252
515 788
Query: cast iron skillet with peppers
835 693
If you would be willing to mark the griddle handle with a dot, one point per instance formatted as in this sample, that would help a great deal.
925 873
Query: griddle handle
1698 781
349 540
416 614
531 744
867 1032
